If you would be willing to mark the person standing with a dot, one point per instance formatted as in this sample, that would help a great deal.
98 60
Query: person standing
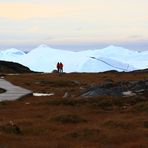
61 67
58 67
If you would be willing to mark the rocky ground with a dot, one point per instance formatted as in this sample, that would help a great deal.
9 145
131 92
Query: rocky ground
121 88
91 110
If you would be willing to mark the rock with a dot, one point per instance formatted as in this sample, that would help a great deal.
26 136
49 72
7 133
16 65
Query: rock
66 95
128 93
76 82
122 88
54 71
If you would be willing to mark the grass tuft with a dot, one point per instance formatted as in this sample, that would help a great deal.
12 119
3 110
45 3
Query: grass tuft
69 118
86 133
67 102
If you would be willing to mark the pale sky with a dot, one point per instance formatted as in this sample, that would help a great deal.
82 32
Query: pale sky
74 24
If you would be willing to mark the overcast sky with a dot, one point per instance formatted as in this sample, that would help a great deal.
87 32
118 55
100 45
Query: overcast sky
74 24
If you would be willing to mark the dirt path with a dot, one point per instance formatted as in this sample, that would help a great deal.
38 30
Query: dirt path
12 92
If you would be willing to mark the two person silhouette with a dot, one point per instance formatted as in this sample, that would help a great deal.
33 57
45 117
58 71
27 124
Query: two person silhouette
60 67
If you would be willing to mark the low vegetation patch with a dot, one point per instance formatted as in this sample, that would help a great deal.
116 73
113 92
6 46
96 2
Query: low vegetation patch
59 83
68 102
141 107
69 118
10 129
117 124
86 133
145 124
103 102
110 102
3 103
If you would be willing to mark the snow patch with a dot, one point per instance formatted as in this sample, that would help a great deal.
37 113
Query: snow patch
128 93
42 94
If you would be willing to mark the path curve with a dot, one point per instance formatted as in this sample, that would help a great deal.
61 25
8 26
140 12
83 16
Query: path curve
13 92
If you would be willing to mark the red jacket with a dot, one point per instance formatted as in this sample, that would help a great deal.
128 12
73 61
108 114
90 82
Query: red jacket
61 65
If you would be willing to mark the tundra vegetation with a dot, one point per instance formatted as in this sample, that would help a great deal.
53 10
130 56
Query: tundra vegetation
78 114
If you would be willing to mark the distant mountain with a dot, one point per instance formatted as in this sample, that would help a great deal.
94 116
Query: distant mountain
44 59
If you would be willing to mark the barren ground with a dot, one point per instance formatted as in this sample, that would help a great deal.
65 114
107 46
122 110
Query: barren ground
73 121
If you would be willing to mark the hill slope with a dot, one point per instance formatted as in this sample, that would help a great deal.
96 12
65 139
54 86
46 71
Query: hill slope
11 67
